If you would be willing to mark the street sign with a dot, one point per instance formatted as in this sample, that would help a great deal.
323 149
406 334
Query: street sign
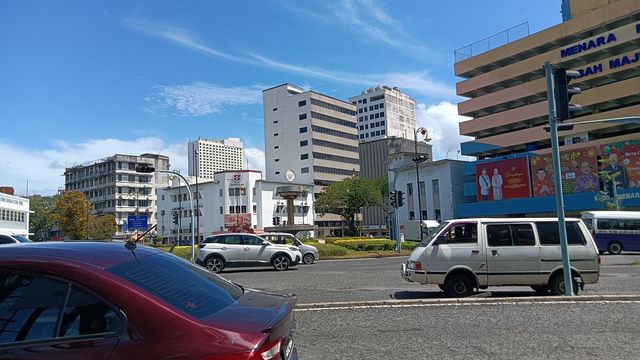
137 222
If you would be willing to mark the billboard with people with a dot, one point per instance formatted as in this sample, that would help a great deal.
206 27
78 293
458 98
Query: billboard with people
579 168
621 160
503 179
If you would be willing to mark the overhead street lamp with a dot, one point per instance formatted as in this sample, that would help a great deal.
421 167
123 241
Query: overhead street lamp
418 159
558 96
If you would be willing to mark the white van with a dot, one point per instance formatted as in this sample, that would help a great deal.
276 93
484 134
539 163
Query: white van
467 254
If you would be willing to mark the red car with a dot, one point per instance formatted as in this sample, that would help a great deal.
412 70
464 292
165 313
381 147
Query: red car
91 300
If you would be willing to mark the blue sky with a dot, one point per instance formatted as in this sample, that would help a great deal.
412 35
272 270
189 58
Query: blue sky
82 80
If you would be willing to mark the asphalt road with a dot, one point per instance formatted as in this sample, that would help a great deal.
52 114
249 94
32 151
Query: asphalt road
590 330
379 279
515 331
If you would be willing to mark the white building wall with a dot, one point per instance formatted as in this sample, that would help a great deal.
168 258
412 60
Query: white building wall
382 103
214 156
449 176
14 215
282 123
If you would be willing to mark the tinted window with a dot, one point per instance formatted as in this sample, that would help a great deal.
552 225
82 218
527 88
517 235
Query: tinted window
85 314
252 240
181 284
6 240
30 307
549 234
233 239
462 233
22 239
510 235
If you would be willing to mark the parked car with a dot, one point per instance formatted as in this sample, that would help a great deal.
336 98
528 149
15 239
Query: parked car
238 249
463 255
310 253
99 300
13 239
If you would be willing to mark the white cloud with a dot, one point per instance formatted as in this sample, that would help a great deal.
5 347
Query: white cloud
255 159
44 168
201 98
442 122
418 82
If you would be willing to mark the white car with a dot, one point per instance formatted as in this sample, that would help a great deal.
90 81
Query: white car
310 253
467 254
238 250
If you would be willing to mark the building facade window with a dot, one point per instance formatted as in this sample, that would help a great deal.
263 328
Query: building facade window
303 130
304 170
304 156
302 103
304 143
302 116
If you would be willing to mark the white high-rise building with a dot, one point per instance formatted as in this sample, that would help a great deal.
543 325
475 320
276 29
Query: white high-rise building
206 156
384 112
311 139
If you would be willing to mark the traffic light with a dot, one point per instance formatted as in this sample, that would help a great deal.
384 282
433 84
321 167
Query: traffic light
563 92
145 168
420 158
175 217
392 199
399 198
273 221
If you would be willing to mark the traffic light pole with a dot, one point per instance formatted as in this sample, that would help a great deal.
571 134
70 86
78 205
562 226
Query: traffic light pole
394 231
557 179
193 238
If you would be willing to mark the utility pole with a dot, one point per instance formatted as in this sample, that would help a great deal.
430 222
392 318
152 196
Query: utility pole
196 155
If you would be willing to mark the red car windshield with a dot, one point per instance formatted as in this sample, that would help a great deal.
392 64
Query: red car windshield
181 284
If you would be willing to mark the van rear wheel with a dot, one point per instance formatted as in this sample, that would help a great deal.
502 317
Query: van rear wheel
459 286
614 248
556 286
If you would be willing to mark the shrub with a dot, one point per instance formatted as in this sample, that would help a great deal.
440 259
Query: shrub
330 250
410 245
367 244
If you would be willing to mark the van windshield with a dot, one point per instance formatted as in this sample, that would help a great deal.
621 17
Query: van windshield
432 234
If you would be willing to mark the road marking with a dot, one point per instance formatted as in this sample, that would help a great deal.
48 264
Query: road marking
358 307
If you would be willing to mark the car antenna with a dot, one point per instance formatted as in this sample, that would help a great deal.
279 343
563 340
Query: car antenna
131 246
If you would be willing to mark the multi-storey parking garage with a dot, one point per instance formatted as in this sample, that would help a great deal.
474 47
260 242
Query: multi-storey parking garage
506 93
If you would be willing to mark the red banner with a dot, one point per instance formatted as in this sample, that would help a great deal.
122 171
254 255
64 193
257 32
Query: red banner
242 219
503 179
622 160
579 169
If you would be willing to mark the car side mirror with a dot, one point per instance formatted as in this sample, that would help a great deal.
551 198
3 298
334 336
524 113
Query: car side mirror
265 243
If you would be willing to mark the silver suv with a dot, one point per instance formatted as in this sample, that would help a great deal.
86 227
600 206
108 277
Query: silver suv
235 250
309 253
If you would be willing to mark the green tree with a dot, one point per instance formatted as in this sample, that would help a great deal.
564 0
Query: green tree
348 196
71 213
40 223
102 227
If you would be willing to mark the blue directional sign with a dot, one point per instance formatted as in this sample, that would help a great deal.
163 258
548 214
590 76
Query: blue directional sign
137 222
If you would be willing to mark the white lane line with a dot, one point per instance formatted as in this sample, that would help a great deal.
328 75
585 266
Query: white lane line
356 307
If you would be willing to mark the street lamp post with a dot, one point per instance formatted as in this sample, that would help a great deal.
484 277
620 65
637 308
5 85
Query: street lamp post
418 159
193 238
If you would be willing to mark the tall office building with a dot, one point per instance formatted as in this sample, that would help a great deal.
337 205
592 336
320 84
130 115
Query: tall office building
506 96
113 186
206 156
310 138
384 112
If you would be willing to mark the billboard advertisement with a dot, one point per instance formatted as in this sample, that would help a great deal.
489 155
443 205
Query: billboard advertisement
579 169
241 219
503 179
622 160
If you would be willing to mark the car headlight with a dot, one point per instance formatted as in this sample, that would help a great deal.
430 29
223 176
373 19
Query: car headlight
414 265
293 249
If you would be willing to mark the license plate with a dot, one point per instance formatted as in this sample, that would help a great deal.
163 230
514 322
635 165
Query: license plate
287 350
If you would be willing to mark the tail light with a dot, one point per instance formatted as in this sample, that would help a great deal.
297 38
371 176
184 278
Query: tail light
270 351
599 260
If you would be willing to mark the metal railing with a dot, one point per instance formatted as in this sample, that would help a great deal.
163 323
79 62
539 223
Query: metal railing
494 41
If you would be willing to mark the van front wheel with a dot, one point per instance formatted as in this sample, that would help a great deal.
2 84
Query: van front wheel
556 286
459 286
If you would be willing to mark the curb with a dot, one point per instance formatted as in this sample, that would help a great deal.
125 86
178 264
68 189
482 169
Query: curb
469 300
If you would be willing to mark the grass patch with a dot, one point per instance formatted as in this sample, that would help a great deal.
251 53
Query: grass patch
180 251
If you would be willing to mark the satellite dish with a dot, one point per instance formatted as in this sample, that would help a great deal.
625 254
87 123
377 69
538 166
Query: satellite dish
290 176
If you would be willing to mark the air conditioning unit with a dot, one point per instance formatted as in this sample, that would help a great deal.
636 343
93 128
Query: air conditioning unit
576 138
